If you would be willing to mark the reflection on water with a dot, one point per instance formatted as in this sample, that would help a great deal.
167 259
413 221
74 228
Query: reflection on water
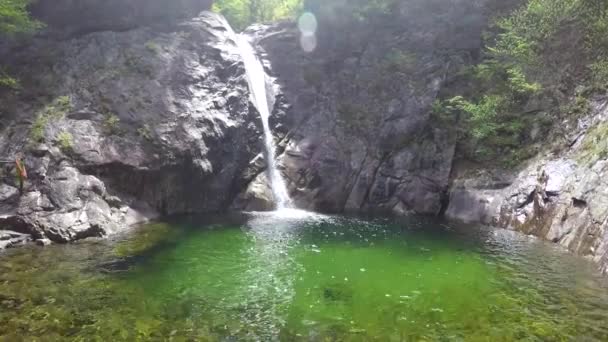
272 268
293 275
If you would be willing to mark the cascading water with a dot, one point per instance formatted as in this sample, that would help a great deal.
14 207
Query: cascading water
256 77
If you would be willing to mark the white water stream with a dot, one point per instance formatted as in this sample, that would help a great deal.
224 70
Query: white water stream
256 77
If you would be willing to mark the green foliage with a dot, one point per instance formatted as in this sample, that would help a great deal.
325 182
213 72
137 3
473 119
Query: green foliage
111 124
15 19
145 132
153 47
38 128
6 81
65 141
599 72
595 145
530 57
242 13
54 111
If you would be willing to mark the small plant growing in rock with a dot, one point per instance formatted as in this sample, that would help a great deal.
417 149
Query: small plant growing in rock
6 81
56 110
65 141
38 128
595 145
145 132
153 47
112 124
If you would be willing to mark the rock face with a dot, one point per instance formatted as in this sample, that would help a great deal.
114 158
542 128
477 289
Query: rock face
118 127
562 198
70 17
358 132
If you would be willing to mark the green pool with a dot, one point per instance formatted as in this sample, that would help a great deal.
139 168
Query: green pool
302 277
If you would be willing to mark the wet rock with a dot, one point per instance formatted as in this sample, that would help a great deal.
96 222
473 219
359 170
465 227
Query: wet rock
43 242
159 121
10 238
559 198
357 136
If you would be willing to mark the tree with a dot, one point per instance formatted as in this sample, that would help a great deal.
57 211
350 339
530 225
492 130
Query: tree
242 13
15 19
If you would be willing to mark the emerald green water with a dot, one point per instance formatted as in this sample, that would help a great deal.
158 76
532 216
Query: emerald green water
297 277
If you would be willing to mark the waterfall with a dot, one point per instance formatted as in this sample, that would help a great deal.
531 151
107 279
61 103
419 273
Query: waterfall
256 77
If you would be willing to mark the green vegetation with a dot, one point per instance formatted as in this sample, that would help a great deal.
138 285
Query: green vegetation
111 124
242 13
38 128
595 145
145 132
65 141
153 47
6 81
14 20
528 60
55 110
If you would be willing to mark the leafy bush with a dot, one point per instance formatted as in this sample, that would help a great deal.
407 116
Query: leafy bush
533 56
112 124
595 145
57 109
145 132
6 81
599 72
65 141
242 13
38 128
15 19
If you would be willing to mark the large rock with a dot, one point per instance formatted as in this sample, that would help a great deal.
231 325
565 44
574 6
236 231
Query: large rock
119 127
562 198
85 16
357 132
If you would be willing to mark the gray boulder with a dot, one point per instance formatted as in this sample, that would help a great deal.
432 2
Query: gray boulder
121 127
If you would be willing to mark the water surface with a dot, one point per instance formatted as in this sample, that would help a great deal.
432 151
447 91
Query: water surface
301 277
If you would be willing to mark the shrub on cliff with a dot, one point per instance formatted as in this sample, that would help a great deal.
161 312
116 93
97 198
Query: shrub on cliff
535 58
14 20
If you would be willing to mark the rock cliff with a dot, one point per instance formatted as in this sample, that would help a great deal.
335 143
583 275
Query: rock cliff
561 197
117 127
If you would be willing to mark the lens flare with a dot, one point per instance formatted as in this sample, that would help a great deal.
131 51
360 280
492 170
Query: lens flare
307 24
308 43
